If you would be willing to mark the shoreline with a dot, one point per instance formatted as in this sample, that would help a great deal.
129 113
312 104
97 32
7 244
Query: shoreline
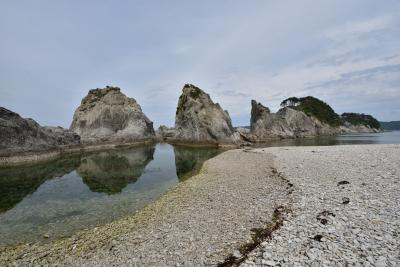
336 204
197 221
42 156
15 158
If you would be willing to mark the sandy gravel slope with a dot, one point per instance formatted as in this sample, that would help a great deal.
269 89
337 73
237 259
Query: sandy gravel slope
346 210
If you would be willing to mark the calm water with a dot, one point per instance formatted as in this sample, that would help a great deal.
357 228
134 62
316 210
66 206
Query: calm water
66 195
348 139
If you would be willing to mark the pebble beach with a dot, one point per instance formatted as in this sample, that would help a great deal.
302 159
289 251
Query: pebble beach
284 206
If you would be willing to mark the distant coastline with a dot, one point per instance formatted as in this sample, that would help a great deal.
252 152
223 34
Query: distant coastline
390 125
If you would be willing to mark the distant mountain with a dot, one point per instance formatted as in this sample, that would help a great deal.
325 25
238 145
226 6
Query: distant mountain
390 125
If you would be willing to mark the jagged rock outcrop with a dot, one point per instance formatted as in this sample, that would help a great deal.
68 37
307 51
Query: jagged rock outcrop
200 120
164 133
19 134
107 115
286 123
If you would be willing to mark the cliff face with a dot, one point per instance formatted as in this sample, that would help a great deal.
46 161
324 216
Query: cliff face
290 122
107 115
200 120
361 122
19 134
286 123
359 128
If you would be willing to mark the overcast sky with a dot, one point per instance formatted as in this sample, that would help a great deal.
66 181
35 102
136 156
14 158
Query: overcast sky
345 52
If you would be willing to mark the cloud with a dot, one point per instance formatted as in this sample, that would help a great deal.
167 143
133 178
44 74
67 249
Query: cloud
53 52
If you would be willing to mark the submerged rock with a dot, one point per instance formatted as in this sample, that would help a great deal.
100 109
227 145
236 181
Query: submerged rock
19 134
200 120
107 115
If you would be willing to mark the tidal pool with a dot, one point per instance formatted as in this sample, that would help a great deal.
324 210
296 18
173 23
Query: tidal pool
58 198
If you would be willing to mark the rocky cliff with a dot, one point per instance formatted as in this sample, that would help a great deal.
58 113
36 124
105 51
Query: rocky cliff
361 122
200 120
303 117
107 115
19 134
347 127
286 123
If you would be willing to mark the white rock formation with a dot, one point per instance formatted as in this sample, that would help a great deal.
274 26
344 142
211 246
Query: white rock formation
107 115
199 120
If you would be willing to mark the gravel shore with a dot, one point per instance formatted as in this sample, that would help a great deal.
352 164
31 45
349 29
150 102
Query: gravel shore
199 223
346 209
337 206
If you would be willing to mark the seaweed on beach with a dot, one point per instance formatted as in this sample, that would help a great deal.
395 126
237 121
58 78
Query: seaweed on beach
257 237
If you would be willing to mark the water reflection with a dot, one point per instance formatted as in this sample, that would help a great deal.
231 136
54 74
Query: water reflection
16 183
61 197
67 195
347 139
110 172
188 160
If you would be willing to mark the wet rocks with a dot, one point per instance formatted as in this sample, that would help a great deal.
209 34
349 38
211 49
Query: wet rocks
343 183
318 238
107 115
345 200
20 134
325 216
200 120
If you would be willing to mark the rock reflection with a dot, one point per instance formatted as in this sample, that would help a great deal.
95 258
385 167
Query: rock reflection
190 159
110 172
16 183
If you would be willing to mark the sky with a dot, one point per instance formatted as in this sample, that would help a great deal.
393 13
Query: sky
346 53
